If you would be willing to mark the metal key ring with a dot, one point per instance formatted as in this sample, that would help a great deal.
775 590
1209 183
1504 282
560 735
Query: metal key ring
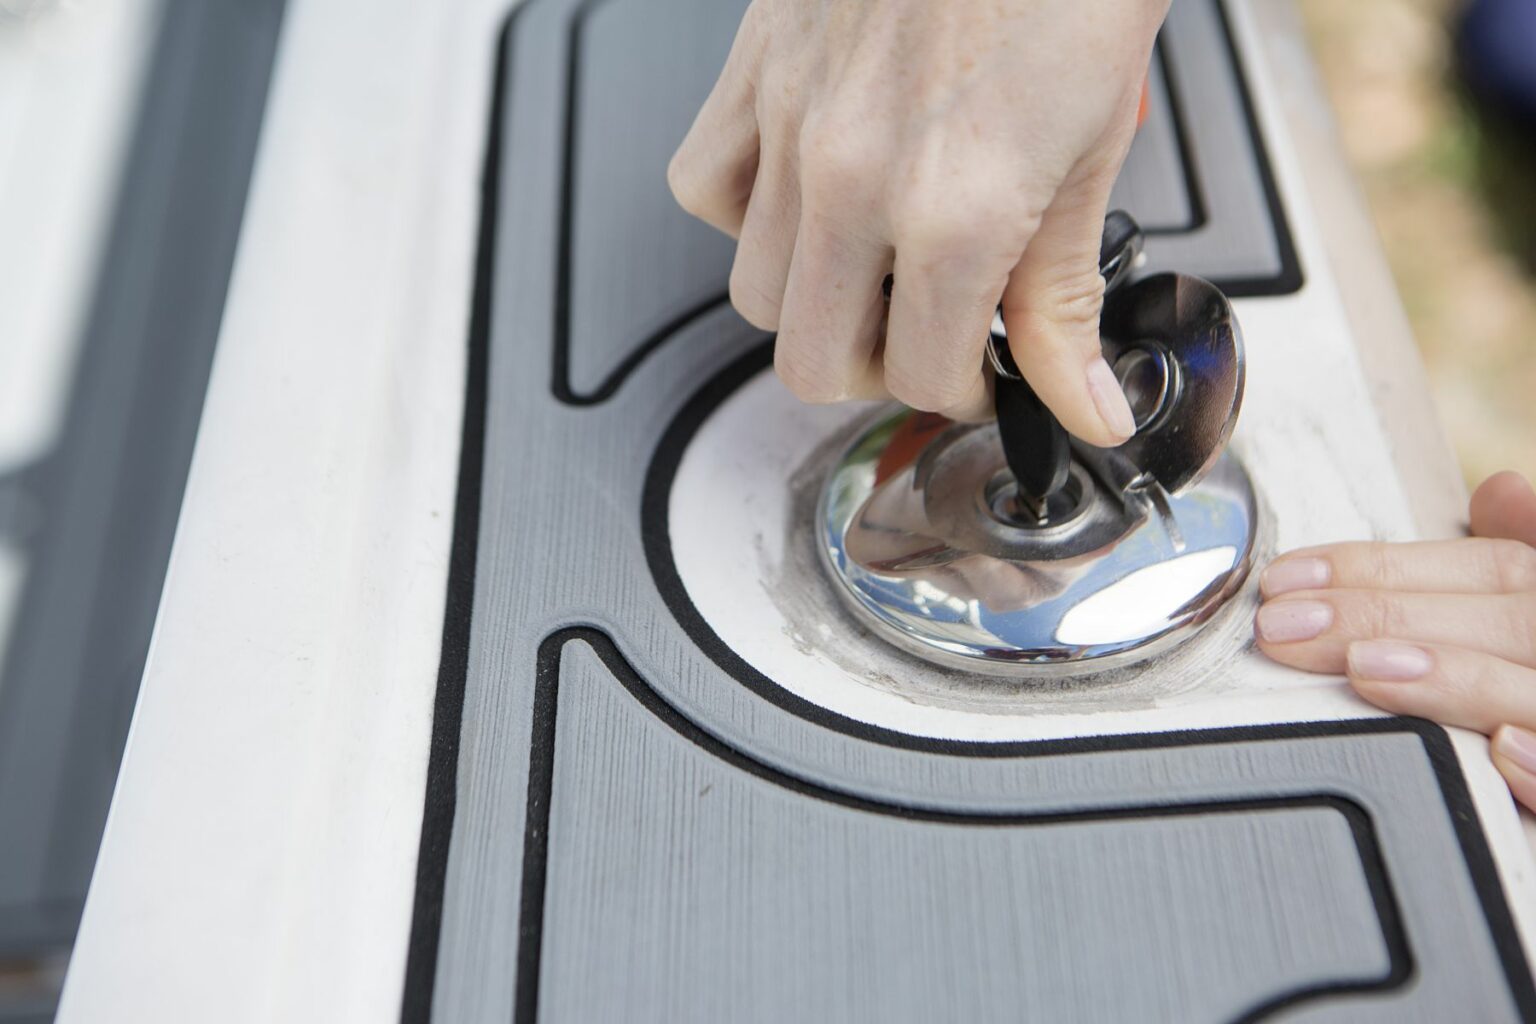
1002 362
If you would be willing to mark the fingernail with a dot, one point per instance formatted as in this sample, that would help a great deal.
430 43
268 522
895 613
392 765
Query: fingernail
1517 744
1291 574
1286 622
1387 662
1110 401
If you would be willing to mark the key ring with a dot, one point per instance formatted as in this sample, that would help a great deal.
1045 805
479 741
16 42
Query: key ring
1002 361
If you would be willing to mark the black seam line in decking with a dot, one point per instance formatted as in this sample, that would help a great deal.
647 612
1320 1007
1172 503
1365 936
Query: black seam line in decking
441 795
655 532
1290 276
1181 137
541 764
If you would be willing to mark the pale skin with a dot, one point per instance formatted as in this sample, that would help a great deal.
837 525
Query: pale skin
1438 629
969 149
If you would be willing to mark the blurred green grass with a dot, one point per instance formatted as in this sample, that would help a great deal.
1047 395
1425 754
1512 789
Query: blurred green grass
1452 189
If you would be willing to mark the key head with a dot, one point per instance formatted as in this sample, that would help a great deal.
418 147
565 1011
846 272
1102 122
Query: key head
1034 443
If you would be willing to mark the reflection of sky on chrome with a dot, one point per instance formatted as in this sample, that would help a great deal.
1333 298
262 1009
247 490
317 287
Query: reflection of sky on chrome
1206 521
1130 597
1144 601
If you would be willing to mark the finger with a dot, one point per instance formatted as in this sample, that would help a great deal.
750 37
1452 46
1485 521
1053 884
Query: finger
951 265
767 241
1443 682
1467 566
1514 754
868 382
712 172
1052 305
1312 629
1505 506
829 325
979 404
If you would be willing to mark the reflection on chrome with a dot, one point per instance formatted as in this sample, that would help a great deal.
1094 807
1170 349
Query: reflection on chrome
1143 601
916 546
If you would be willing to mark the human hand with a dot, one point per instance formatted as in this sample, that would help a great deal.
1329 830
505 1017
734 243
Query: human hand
1440 629
968 148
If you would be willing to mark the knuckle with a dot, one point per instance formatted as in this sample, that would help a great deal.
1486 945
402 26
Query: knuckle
933 220
1076 301
1375 564
1375 616
688 187
940 203
1523 614
1512 565
837 158
677 173
752 300
753 20
774 90
1474 675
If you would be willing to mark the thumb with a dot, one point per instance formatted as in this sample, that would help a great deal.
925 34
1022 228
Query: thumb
1051 309
1504 506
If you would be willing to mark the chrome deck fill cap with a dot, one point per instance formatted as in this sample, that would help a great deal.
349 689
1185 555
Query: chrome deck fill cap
919 533
1008 545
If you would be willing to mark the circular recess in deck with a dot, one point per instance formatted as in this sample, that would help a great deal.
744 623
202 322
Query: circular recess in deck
739 520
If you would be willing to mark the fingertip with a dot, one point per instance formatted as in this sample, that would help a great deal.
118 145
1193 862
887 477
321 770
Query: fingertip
1083 395
1387 696
1504 506
1116 419
1322 659
714 197
1387 661
1513 750
1508 484
1293 621
1391 676
1292 572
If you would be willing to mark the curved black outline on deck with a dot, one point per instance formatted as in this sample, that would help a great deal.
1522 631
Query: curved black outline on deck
560 383
655 533
541 763
441 797
1198 213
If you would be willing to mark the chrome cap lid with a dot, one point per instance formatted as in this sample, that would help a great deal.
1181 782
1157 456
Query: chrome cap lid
1178 354
919 532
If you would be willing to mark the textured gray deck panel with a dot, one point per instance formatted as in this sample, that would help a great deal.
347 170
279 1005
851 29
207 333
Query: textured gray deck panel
709 894
642 78
1154 181
563 543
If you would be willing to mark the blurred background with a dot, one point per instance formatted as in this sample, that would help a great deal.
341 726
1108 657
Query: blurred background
1449 172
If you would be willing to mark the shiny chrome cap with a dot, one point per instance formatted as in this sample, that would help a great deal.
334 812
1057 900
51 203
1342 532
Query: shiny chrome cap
919 532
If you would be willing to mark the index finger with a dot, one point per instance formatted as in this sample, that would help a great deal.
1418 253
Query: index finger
1475 565
950 272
